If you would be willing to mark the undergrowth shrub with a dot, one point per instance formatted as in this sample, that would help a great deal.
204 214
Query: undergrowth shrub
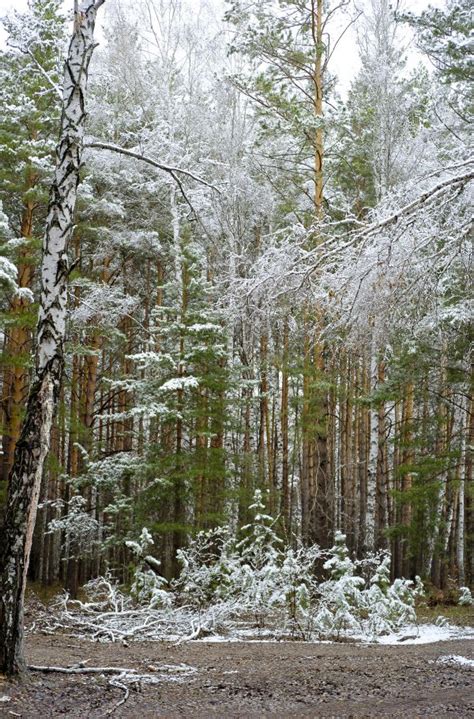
277 586
233 584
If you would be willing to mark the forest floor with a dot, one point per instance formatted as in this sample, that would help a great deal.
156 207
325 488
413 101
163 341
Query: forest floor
248 679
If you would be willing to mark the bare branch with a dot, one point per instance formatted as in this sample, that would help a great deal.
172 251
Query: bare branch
45 74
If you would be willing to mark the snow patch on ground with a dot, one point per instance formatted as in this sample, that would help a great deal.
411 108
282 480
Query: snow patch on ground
456 659
426 634
410 634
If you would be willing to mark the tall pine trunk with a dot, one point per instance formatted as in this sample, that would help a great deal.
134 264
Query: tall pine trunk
33 444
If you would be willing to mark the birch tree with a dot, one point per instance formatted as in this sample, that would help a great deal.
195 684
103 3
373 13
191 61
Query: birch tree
33 444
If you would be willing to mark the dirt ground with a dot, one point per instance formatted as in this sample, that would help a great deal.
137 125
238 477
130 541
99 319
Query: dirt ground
252 679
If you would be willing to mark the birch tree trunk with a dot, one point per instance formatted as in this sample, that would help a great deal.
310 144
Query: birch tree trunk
33 444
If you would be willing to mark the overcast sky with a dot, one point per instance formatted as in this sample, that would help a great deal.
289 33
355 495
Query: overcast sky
344 61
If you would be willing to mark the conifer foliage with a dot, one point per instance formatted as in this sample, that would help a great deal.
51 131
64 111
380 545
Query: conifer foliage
255 320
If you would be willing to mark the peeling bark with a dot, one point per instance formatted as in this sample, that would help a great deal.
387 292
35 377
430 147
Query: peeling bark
33 444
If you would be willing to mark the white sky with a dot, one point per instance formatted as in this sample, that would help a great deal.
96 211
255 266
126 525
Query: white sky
344 62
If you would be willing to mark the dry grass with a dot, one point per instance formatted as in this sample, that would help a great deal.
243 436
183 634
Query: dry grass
460 616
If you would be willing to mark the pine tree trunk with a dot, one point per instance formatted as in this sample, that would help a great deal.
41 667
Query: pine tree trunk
460 538
285 504
382 508
468 492
17 345
317 31
33 444
372 473
407 478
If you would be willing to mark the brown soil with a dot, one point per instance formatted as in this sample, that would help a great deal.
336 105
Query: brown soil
248 680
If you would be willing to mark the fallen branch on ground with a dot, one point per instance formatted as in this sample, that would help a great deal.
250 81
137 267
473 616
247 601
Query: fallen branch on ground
81 670
123 677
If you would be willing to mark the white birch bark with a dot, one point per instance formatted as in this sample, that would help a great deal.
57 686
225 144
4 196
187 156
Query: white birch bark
33 445
434 536
176 225
449 526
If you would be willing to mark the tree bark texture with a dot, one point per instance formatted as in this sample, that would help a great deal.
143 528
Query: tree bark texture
33 445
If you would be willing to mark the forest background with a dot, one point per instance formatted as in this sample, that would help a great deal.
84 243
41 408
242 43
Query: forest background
284 305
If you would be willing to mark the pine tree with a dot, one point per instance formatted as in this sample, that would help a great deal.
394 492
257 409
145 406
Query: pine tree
29 68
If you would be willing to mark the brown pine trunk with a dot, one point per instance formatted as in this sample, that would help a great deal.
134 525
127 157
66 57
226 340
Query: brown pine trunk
394 484
407 479
285 507
381 493
16 348
307 454
317 31
202 499
355 490
322 521
264 422
469 490
179 485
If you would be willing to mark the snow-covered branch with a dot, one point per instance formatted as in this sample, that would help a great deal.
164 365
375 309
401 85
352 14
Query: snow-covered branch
173 171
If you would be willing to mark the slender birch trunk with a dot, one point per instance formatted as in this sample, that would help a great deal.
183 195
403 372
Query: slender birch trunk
33 444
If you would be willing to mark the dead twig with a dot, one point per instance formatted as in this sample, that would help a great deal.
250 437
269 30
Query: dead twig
115 682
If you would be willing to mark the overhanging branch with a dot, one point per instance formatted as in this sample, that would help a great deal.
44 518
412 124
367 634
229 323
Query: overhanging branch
173 171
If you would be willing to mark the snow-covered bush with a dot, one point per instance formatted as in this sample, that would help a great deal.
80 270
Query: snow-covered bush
390 606
258 578
340 597
245 574
257 581
207 566
229 584
466 599
148 585
103 594
300 588
368 605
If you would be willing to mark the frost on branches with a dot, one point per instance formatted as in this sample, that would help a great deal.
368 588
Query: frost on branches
250 585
